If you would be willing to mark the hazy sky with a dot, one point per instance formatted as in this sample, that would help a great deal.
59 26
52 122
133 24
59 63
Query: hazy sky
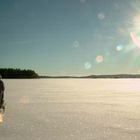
70 37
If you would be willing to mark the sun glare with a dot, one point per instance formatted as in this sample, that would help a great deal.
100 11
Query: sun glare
1 117
136 30
135 39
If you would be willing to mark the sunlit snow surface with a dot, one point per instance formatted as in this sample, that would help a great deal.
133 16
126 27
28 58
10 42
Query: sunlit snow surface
72 109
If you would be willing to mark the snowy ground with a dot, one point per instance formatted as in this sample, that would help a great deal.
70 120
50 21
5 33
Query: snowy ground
71 109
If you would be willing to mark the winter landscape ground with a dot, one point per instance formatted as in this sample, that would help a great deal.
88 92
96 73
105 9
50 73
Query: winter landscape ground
71 109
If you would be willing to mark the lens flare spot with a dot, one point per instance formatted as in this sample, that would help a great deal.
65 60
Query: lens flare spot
88 65
101 16
24 100
76 44
99 59
119 47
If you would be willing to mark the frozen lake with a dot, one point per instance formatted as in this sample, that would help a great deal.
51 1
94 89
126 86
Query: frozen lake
72 109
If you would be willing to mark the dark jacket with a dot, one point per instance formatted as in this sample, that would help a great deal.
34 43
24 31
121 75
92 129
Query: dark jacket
2 88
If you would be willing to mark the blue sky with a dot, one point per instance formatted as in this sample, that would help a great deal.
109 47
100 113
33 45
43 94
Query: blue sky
70 37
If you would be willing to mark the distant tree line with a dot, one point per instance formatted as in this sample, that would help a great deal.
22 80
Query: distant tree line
17 73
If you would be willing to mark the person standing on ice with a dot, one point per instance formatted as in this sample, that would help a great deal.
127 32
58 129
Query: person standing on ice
2 88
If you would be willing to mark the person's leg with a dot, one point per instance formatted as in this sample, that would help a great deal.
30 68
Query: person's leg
3 106
1 99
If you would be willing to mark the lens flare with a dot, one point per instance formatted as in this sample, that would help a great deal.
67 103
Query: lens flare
99 59
119 47
88 65
76 44
24 100
135 39
101 16
1 117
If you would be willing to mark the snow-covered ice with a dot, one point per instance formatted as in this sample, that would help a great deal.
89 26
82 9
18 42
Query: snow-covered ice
71 109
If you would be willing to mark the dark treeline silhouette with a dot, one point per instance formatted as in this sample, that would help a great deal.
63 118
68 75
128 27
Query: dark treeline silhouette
98 76
17 73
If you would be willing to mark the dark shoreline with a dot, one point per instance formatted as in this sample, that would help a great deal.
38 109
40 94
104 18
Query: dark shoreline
11 73
95 76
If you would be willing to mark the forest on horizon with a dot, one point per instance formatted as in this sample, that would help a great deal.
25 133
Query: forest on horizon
18 73
13 73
